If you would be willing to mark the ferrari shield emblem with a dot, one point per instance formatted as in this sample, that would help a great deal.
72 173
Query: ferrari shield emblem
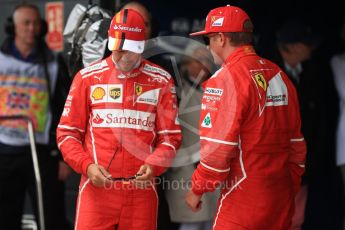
138 90
260 80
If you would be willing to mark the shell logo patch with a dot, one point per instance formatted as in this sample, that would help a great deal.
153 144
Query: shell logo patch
98 93
106 93
260 80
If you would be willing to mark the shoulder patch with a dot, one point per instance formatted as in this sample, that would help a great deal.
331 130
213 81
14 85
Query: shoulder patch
154 69
260 80
94 67
277 93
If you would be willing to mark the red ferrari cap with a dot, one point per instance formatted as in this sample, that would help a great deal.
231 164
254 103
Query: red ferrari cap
225 19
127 31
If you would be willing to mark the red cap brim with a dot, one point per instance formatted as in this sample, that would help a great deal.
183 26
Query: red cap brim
203 32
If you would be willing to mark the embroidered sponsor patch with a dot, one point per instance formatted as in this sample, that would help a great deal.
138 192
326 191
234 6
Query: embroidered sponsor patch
99 78
97 119
277 93
217 20
115 92
153 69
127 28
207 123
208 107
102 93
209 98
98 93
214 91
94 67
145 94
260 80
138 89
118 118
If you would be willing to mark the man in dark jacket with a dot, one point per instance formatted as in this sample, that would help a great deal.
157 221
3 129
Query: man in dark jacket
317 202
33 84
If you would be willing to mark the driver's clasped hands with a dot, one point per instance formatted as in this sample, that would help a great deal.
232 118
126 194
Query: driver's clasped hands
100 177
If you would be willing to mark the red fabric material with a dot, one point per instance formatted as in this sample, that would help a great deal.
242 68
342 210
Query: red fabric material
224 19
132 119
119 121
119 205
300 204
130 22
251 142
127 32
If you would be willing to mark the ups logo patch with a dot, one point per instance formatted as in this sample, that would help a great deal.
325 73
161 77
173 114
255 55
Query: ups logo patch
115 93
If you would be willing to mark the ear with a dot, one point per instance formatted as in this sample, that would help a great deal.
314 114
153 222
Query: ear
223 39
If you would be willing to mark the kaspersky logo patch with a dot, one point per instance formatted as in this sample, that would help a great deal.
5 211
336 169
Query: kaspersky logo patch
207 123
217 20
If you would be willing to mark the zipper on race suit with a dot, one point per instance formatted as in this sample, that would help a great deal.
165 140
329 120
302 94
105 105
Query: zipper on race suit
124 87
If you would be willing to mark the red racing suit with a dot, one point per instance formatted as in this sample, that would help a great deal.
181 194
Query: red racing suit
119 121
251 144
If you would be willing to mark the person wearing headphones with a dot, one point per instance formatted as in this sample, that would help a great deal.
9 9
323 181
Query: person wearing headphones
33 84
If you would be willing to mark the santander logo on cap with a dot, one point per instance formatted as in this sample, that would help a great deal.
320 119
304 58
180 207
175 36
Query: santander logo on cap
127 32
217 20
126 28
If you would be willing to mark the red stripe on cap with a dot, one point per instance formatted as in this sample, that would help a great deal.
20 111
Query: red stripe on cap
122 41
125 14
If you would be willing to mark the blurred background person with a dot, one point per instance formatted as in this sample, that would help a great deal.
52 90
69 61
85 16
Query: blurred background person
296 43
34 84
317 203
338 68
196 67
143 10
